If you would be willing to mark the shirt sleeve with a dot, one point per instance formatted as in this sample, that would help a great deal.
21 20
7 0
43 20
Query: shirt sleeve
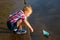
23 17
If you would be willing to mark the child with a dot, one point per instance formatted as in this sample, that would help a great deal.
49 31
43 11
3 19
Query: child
16 19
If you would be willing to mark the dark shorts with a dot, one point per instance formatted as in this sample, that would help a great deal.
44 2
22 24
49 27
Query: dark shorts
11 25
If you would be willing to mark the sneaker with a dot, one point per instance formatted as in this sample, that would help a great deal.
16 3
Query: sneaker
21 32
14 31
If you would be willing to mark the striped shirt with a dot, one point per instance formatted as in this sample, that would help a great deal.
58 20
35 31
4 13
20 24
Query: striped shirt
16 16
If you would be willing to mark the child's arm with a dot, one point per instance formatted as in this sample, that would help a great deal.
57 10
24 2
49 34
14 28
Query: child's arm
27 23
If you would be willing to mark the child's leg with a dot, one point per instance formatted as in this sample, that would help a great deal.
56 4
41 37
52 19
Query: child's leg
19 24
20 30
12 26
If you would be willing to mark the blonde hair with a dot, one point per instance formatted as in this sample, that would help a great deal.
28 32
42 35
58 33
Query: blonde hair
27 8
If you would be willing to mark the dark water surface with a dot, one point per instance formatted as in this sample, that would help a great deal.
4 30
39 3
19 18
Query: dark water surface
46 15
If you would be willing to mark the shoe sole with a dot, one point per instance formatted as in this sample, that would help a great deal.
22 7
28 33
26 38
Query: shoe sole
21 32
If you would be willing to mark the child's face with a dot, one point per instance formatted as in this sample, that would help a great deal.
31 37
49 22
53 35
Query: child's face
28 13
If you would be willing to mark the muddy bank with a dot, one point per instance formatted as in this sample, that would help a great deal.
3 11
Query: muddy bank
6 7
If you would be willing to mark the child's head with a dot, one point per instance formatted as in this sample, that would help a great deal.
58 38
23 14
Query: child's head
27 10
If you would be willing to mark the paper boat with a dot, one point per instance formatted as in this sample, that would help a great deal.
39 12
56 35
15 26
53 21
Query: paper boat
45 33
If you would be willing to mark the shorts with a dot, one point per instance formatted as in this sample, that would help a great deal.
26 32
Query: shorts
11 26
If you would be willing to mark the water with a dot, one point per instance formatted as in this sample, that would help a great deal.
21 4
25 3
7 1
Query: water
46 13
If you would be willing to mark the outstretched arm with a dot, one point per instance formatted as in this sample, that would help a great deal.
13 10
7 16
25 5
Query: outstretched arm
27 23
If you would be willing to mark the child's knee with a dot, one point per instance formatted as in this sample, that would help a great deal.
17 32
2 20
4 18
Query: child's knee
19 22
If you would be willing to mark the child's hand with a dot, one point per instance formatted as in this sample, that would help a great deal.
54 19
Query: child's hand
28 25
32 30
